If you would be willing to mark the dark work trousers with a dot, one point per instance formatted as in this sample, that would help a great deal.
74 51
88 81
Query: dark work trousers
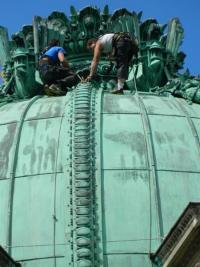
64 77
124 51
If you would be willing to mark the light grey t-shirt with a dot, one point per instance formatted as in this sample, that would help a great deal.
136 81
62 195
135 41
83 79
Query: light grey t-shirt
106 41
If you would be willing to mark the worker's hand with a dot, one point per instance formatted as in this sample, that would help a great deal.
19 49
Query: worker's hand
88 79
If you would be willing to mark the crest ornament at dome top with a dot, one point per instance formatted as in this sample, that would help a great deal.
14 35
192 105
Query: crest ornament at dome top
155 69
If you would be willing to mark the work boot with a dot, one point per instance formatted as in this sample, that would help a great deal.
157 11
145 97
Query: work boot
54 90
117 91
83 74
46 90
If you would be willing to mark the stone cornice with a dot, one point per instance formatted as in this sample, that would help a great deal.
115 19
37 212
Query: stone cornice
6 260
182 244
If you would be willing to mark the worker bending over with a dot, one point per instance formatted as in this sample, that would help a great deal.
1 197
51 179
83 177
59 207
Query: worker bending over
55 71
122 47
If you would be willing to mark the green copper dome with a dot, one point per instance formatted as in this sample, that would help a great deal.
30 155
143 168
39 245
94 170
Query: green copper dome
94 179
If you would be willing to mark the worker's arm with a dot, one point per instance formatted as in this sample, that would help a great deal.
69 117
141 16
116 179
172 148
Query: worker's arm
95 61
63 60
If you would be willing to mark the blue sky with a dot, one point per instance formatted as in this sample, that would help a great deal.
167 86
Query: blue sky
16 13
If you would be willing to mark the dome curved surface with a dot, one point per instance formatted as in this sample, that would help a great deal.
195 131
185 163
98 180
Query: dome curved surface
128 164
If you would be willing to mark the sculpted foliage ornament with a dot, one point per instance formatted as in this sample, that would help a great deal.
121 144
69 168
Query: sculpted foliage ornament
156 68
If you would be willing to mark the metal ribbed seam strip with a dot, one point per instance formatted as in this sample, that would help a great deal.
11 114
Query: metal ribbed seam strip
13 170
83 178
97 102
190 121
151 159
